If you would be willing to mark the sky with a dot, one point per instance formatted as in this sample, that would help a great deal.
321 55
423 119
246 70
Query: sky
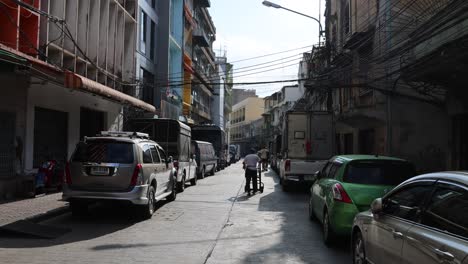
247 29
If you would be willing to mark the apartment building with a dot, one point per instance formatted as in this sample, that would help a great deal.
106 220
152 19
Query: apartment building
204 62
243 115
68 71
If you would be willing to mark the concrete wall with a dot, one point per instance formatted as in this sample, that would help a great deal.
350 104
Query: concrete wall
421 134
13 100
57 98
292 94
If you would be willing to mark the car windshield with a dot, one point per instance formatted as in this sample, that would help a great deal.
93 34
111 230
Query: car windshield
378 172
104 152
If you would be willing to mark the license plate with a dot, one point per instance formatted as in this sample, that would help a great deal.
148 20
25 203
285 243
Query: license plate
101 171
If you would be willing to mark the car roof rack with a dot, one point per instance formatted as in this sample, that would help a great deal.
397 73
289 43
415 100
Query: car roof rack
123 134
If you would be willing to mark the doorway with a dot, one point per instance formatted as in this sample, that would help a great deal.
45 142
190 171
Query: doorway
7 144
91 122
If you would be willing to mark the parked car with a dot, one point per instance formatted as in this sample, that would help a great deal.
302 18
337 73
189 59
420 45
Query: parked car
347 185
119 166
216 136
423 220
205 157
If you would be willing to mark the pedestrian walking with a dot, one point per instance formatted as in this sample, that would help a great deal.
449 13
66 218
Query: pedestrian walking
250 166
264 153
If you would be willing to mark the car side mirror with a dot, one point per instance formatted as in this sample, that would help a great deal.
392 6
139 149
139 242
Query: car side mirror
316 175
376 206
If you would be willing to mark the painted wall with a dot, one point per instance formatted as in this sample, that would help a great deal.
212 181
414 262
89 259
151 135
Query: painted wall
57 98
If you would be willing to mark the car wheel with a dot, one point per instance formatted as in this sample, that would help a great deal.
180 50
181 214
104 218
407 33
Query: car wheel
202 173
213 171
181 185
146 211
311 210
359 251
328 236
173 194
78 208
193 181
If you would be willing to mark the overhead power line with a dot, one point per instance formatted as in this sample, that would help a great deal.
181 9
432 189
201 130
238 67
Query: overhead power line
271 54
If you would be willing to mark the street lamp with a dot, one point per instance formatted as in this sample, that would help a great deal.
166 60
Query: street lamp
270 4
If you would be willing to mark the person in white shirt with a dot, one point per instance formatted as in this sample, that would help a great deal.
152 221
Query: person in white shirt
250 167
264 153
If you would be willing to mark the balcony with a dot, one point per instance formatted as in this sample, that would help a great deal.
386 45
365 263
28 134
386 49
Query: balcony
200 38
202 3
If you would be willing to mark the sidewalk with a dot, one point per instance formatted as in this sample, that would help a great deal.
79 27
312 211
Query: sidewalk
32 209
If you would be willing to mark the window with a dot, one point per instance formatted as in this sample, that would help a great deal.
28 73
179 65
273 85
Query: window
299 134
143 32
155 154
448 210
333 170
153 40
406 203
163 154
346 17
147 154
104 151
375 172
326 170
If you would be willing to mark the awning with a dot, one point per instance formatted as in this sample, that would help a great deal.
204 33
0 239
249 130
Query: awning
75 81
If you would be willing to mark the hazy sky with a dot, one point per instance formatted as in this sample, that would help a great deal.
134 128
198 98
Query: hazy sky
246 29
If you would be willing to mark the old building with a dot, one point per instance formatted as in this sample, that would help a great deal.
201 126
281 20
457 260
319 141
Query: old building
377 75
68 71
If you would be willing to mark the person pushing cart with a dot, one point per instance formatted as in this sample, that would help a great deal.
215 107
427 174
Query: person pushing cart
252 172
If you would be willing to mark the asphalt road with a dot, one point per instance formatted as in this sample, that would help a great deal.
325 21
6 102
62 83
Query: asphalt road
213 222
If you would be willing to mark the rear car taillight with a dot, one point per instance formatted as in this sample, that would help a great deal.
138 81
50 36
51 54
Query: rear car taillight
176 164
339 194
137 177
287 165
68 174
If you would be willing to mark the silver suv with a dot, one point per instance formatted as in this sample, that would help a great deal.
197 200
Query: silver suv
119 166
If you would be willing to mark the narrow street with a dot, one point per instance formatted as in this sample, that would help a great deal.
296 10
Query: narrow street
213 222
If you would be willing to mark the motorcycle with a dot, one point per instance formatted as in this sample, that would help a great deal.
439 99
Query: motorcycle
49 177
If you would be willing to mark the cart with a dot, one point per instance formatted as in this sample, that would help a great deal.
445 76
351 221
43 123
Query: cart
260 185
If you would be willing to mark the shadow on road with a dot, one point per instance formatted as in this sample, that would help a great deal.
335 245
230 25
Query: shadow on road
101 220
301 239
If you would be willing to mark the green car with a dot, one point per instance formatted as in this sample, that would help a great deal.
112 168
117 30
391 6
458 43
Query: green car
347 185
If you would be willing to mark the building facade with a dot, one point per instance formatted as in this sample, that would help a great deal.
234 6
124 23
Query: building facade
146 59
62 81
203 63
378 75
239 95
243 115
170 70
